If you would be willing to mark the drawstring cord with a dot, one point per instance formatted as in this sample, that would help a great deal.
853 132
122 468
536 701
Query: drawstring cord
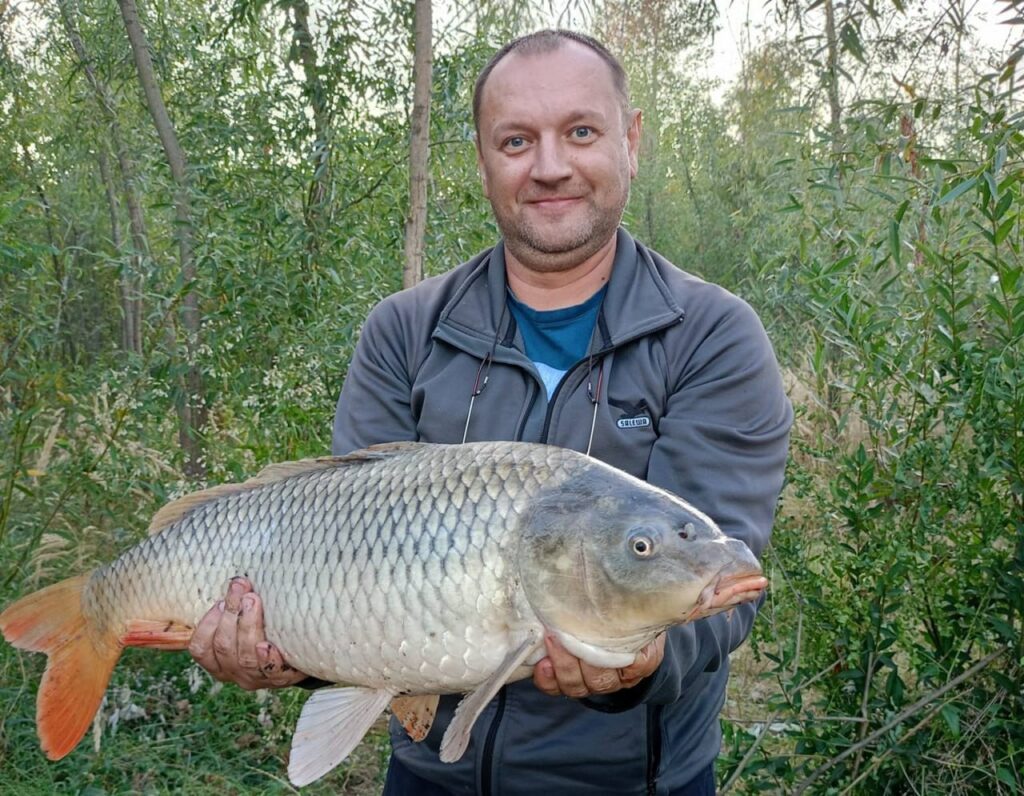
478 387
483 373
594 394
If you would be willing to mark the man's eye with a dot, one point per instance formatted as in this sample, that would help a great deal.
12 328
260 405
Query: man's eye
515 142
582 133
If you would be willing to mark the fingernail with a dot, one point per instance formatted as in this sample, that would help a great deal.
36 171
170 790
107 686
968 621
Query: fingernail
247 603
220 605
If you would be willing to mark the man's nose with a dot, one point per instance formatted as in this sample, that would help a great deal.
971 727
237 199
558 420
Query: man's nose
552 161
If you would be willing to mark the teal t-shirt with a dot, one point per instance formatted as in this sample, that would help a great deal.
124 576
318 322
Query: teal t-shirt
556 339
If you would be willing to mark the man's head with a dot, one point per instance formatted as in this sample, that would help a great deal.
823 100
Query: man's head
556 146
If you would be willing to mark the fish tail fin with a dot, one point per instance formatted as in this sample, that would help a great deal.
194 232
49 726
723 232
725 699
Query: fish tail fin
80 661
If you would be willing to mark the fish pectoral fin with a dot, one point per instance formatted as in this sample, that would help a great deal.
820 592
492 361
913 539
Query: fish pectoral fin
332 723
416 713
456 737
159 634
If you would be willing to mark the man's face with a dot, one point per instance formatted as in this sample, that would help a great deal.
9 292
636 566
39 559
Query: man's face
555 155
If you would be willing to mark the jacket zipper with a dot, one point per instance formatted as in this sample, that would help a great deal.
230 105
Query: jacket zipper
653 748
653 713
603 352
492 734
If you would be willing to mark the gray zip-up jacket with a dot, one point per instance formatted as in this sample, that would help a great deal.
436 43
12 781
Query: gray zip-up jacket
689 397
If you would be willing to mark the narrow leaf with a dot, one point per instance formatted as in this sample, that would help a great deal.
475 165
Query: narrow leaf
957 192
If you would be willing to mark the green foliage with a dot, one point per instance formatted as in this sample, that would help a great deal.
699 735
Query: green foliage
885 260
900 547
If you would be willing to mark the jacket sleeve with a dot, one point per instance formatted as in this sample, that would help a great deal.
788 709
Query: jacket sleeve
722 445
374 405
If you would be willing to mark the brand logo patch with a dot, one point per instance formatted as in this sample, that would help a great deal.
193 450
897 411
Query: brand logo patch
633 422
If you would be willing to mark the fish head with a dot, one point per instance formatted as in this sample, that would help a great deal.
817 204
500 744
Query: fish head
612 561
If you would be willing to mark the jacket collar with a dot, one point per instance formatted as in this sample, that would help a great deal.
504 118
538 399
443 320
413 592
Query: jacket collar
638 302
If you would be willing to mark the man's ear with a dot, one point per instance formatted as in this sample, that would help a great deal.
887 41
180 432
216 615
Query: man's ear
633 134
480 168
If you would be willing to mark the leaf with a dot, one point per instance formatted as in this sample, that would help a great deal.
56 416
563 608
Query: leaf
849 37
1004 204
1004 230
895 249
1005 776
952 717
957 192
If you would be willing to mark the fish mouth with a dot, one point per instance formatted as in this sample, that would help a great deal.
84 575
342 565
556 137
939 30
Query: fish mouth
727 590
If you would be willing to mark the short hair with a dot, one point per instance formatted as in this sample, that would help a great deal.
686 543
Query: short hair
546 41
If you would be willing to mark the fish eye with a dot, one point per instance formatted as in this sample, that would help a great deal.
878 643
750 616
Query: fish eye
641 545
688 529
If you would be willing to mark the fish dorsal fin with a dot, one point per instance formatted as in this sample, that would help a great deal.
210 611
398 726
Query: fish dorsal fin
272 473
283 470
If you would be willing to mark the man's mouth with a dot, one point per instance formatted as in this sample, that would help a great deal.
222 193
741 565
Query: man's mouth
553 202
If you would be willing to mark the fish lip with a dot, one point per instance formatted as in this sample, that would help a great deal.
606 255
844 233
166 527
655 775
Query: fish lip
741 586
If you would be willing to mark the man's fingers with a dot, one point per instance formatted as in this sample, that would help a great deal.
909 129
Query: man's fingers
544 677
567 670
230 643
237 588
249 632
600 681
200 646
274 670
647 660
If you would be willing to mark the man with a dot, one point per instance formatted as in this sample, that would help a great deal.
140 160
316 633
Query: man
567 332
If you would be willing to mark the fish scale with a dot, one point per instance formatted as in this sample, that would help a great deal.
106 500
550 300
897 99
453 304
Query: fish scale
405 570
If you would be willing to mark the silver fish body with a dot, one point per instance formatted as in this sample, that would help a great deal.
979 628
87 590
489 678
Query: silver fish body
415 569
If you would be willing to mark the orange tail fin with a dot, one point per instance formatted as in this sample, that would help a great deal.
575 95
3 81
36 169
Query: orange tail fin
79 665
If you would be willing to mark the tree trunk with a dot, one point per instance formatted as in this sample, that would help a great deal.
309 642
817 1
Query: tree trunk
419 146
316 211
835 109
651 132
132 272
191 409
128 320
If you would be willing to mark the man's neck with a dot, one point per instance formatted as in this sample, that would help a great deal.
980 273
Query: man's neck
552 290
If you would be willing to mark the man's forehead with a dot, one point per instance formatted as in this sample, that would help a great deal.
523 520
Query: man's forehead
517 65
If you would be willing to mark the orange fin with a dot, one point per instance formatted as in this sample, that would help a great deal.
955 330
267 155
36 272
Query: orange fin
79 664
157 634
415 713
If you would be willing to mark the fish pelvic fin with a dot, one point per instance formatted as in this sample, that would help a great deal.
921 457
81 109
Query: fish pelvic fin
416 714
79 661
332 723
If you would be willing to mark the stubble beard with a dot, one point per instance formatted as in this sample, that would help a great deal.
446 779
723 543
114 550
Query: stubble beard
543 254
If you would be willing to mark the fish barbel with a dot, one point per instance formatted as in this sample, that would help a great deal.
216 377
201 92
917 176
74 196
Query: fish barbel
403 571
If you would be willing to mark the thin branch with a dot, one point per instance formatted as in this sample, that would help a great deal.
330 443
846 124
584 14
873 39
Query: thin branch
898 718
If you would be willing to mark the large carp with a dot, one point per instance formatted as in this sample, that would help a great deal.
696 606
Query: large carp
403 571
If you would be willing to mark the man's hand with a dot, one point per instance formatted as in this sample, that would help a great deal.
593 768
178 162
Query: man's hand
563 674
229 642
